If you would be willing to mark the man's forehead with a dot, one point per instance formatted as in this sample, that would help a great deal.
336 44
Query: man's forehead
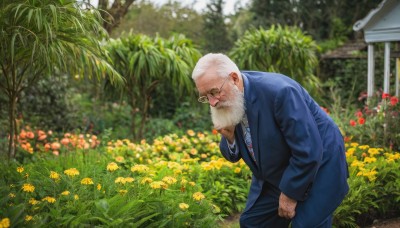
207 82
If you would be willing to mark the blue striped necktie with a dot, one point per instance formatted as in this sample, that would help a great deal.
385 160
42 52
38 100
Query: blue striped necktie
247 136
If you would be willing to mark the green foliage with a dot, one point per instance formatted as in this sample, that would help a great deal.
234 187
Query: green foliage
280 49
44 37
150 63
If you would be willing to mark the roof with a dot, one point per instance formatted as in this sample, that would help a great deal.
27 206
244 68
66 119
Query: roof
349 50
382 23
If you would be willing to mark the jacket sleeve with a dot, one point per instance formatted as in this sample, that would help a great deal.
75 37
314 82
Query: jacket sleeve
302 136
227 153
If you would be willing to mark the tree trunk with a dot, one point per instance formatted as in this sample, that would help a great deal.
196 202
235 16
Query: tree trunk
133 115
12 125
114 14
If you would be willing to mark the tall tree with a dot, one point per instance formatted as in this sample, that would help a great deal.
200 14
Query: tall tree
322 19
41 37
215 30
113 13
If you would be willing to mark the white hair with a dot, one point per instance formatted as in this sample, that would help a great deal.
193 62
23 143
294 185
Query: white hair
223 65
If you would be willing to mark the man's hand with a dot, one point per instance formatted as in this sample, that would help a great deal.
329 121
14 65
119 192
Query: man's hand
228 133
287 206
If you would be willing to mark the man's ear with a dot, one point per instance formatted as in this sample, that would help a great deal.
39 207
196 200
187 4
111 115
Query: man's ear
235 78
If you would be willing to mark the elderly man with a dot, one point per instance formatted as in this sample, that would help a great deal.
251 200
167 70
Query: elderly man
294 149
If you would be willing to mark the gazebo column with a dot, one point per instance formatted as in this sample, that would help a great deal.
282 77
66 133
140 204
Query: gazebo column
371 70
386 82
397 76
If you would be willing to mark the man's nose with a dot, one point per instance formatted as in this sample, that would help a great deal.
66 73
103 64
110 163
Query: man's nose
213 101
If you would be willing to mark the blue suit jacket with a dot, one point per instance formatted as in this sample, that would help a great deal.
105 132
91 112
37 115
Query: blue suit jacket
298 148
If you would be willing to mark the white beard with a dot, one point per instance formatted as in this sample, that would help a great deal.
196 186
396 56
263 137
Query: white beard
229 113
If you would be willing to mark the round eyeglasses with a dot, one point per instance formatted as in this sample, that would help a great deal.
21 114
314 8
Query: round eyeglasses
215 93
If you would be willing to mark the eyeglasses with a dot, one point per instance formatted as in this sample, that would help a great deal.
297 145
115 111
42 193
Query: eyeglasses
213 92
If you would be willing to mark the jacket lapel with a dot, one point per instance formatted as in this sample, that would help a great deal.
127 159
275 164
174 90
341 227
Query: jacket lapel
252 111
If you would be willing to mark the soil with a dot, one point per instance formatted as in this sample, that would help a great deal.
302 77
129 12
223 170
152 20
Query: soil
233 222
389 223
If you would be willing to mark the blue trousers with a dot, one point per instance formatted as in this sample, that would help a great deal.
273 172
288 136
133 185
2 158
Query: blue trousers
264 213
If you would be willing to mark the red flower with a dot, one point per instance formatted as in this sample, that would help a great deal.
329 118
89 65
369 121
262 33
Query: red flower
361 120
353 123
394 100
359 114
385 95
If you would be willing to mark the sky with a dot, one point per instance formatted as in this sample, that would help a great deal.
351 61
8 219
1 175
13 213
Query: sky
198 5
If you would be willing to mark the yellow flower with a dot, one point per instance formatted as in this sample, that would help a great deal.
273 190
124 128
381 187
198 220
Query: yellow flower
20 169
369 160
28 188
32 201
354 144
49 199
99 187
373 151
183 206
140 168
363 147
54 175
112 166
183 181
5 222
11 195
71 172
65 193
129 179
198 196
146 180
87 181
191 133
237 170
119 159
76 197
158 184
120 180
28 218
123 192
169 180
192 183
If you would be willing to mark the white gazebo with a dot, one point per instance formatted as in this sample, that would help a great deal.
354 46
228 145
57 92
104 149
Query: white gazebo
382 25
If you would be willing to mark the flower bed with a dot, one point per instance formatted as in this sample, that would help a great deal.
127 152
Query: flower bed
176 181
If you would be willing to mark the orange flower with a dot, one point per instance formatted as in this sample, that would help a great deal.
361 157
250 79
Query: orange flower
214 131
30 135
55 146
65 141
361 120
22 135
47 147
353 123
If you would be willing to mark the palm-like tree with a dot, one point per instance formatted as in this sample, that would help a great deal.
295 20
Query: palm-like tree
147 63
286 50
41 37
